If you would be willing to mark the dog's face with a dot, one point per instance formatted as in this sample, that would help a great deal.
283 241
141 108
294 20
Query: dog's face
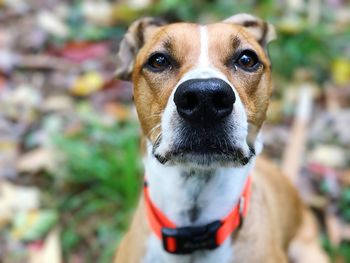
201 92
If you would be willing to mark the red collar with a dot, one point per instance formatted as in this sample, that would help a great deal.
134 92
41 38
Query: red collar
185 240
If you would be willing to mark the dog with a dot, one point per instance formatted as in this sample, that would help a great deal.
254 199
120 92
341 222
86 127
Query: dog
201 94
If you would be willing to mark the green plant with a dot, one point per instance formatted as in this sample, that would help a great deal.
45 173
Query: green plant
96 184
344 208
308 48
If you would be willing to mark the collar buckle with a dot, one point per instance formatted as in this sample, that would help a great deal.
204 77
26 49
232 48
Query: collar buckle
185 240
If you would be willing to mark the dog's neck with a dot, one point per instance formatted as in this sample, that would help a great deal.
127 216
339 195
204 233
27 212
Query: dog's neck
194 197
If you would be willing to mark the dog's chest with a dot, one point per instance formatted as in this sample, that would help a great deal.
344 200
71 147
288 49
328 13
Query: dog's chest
193 198
192 208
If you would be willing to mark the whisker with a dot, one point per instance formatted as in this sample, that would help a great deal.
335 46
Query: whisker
153 129
157 142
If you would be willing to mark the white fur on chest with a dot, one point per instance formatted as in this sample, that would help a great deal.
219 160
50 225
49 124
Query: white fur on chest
214 192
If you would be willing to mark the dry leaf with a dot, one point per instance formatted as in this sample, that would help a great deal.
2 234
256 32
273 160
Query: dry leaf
36 160
49 252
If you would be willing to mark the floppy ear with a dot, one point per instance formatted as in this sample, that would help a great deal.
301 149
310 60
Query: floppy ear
132 42
262 31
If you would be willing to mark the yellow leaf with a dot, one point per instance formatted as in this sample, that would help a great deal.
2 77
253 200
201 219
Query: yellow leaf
341 71
87 84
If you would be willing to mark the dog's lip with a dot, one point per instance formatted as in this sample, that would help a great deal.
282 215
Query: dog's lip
162 159
186 155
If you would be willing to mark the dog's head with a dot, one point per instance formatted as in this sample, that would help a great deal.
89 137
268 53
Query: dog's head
201 92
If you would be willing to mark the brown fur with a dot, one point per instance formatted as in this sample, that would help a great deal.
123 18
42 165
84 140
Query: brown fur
274 216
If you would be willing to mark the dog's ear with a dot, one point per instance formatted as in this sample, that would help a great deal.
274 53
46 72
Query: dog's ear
132 42
262 31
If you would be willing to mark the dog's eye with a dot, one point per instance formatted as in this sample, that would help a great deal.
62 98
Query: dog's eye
247 60
158 62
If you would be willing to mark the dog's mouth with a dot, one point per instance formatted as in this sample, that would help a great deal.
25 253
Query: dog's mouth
206 159
204 151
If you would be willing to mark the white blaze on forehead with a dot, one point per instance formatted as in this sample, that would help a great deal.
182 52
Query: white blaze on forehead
204 54
203 69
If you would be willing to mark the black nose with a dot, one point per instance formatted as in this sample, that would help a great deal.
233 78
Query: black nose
204 100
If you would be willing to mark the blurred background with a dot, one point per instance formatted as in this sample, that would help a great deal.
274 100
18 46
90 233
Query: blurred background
70 170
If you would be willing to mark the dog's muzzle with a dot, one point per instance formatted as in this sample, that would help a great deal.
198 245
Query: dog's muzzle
205 128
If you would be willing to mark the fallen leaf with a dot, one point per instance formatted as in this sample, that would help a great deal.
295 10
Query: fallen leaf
50 22
14 199
33 225
58 103
87 84
35 160
49 251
